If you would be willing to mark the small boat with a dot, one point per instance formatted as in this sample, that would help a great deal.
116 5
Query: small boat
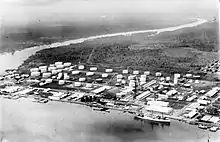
42 101
213 129
202 126
151 118
15 97
100 109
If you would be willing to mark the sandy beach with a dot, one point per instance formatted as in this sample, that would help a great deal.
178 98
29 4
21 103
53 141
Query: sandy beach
25 121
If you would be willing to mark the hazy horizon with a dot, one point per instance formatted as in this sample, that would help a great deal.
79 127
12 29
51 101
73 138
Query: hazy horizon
26 12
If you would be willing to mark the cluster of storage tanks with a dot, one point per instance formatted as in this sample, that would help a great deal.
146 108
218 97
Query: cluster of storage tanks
53 71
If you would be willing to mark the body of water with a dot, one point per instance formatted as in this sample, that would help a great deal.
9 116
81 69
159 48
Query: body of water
25 121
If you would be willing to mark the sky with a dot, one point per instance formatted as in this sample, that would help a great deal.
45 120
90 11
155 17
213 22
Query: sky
26 11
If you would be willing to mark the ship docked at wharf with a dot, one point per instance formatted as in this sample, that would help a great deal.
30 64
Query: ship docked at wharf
152 118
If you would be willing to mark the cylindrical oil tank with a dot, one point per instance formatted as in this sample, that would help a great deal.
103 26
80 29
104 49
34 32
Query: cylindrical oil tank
81 67
67 64
88 85
188 75
82 79
35 74
93 69
104 75
167 78
109 70
59 66
136 72
58 63
54 71
131 77
158 74
46 75
75 72
89 73
43 70
66 77
119 76
42 67
34 70
51 68
77 84
61 82
147 73
125 71
99 79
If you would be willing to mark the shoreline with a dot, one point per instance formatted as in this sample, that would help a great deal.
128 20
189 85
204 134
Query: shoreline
20 56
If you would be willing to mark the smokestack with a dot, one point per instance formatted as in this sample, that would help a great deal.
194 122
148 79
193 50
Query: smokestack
176 76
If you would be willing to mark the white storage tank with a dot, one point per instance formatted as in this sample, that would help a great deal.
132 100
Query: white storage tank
43 70
104 75
125 71
66 77
43 67
89 73
54 77
131 77
46 75
61 82
176 75
35 74
34 70
81 67
131 84
51 68
82 79
147 73
158 74
49 80
58 63
136 72
52 65
119 76
77 84
67 64
59 66
54 72
75 72
109 70
88 85
123 81
167 78
93 69
188 75
99 79
196 81
162 79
